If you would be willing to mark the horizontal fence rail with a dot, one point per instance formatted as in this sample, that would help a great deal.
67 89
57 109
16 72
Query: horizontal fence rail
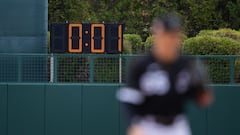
98 68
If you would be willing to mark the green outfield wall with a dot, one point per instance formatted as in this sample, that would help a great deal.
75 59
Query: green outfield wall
23 26
23 29
91 109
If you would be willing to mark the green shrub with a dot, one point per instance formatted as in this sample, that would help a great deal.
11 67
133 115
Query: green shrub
106 70
73 69
212 45
77 69
148 43
233 34
127 47
184 37
133 40
237 70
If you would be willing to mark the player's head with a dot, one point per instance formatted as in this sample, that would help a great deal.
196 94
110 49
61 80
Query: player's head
167 37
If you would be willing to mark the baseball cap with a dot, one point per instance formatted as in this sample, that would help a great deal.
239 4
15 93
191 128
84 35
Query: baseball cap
168 22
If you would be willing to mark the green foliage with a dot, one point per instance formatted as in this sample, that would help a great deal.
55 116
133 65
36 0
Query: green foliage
72 69
138 14
133 40
184 37
213 45
127 47
148 43
200 14
233 9
106 70
77 69
233 34
237 71
210 45
70 10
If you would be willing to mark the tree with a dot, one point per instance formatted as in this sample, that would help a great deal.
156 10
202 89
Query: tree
234 13
138 14
70 10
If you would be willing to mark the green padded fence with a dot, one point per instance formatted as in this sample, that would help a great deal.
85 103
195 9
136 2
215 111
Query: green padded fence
23 26
23 29
91 109
97 68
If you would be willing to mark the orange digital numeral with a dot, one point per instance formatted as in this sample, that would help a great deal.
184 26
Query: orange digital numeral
102 35
120 38
70 46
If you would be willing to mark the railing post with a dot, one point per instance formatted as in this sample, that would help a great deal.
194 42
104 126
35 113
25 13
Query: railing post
120 68
55 68
91 69
232 70
52 68
19 58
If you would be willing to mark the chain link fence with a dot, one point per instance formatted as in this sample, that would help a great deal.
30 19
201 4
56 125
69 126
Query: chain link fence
222 69
97 68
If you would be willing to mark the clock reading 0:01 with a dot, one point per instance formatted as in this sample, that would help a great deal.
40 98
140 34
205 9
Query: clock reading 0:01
86 38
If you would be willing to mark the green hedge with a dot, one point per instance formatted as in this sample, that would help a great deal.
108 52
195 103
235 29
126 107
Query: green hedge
229 33
127 47
211 45
149 42
106 70
219 69
73 69
134 42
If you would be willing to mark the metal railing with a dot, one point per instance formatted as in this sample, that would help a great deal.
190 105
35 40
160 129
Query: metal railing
97 68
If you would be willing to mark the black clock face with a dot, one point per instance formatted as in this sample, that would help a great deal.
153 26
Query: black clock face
86 38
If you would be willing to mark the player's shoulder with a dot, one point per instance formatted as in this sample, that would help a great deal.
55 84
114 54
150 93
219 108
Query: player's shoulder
193 63
142 61
182 62
140 64
187 60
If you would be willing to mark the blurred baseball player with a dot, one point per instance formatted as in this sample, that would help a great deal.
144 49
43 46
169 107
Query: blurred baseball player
160 84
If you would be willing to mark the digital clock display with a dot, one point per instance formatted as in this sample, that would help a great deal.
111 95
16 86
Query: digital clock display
86 38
